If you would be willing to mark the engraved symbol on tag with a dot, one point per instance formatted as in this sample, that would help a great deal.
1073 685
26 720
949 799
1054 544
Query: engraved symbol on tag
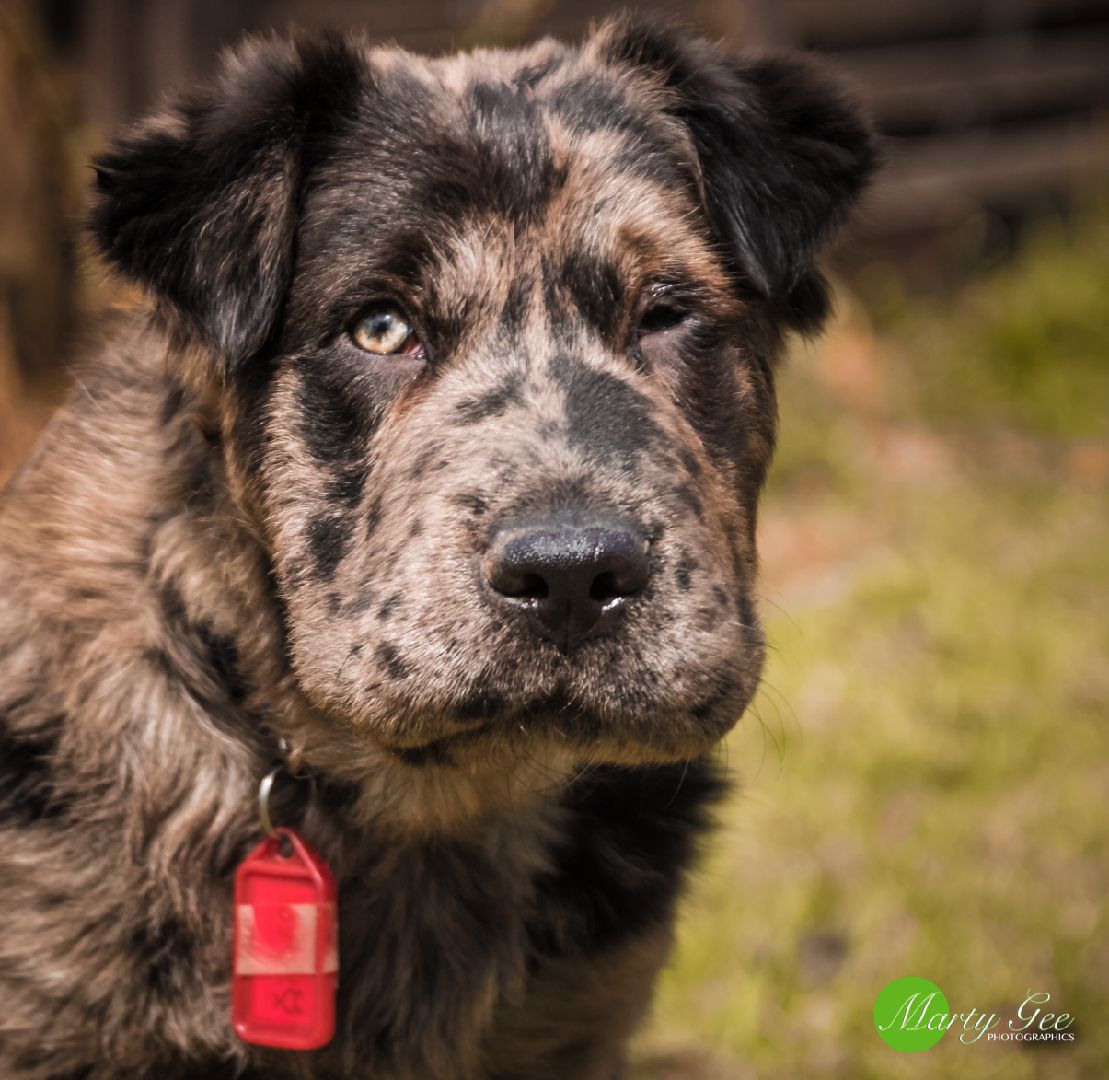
289 1001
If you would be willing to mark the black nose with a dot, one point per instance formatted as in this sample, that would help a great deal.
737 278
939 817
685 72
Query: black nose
570 579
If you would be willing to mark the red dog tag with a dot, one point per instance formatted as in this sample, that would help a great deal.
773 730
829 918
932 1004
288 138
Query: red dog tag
286 951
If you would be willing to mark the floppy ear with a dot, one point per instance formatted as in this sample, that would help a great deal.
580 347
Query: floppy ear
200 204
783 153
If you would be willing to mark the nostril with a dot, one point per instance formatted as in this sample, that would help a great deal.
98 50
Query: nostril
524 587
513 578
611 586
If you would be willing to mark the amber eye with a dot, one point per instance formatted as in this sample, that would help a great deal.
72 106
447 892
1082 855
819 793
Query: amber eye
386 332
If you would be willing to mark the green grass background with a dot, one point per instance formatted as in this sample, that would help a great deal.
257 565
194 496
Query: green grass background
925 774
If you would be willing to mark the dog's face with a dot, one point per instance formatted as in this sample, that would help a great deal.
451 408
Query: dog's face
494 339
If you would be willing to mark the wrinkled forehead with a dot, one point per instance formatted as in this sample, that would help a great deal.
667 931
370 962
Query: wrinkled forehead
493 163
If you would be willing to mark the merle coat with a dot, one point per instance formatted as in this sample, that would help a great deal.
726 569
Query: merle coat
259 520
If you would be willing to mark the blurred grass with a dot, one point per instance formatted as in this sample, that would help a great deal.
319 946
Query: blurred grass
924 774
1026 345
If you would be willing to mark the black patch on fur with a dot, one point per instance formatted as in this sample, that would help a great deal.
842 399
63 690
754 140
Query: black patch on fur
513 150
345 487
27 782
480 706
702 711
692 501
223 655
596 288
618 868
254 383
173 403
530 77
333 423
516 304
683 572
387 657
435 753
492 403
386 610
605 416
499 162
204 664
690 463
592 103
373 516
162 949
327 543
554 297
423 461
474 503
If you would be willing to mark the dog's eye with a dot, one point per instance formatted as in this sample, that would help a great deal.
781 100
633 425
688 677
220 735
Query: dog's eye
661 316
385 331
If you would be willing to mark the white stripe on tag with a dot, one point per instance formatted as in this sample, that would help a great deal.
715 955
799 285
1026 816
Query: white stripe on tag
280 939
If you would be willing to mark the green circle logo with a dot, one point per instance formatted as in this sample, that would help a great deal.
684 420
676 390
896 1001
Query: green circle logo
911 1014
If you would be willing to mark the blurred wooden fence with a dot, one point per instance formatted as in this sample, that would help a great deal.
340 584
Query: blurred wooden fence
985 102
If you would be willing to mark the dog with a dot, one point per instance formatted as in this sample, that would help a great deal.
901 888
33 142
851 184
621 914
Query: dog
430 471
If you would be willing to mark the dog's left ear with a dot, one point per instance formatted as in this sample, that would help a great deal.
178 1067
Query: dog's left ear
199 205
782 151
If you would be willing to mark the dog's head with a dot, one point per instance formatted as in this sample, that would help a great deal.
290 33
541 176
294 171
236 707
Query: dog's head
493 338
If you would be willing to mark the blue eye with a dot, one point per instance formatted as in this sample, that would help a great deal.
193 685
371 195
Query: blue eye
385 331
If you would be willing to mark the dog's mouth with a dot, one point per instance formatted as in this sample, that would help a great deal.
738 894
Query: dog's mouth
555 724
477 722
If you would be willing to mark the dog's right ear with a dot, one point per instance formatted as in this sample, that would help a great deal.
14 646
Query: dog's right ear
199 205
782 152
